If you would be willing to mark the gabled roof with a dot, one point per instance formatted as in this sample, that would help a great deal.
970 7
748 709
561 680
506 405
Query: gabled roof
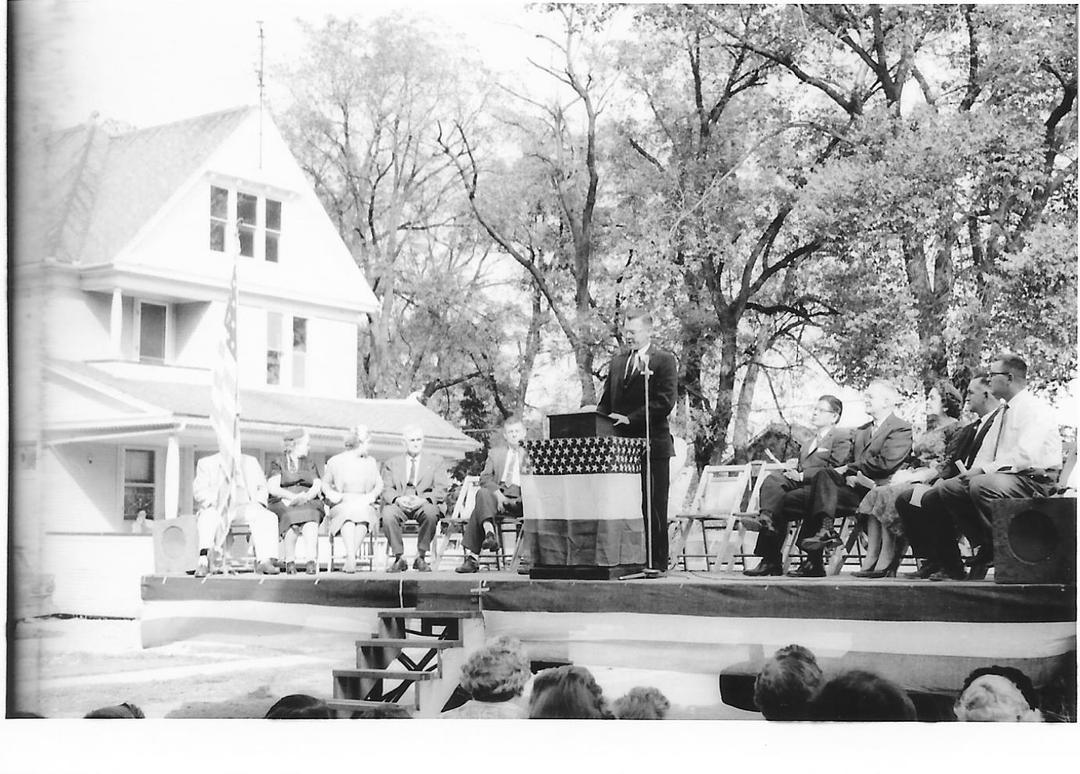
266 406
102 188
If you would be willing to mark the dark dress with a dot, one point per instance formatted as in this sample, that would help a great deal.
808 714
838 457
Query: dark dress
299 480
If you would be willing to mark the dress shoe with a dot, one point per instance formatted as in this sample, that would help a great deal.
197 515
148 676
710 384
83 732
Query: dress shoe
944 575
310 569
491 543
290 568
398 565
822 539
469 565
420 564
871 574
808 570
927 569
202 569
765 567
978 571
266 567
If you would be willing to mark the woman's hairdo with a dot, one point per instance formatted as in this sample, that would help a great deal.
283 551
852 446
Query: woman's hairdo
498 671
951 400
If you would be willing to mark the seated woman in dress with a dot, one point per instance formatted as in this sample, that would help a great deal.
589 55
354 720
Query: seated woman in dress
884 529
294 488
351 484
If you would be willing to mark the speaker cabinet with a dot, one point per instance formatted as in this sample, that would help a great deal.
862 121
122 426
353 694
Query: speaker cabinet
176 545
1035 540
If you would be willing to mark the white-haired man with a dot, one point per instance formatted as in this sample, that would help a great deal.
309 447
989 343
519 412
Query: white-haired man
414 487
247 506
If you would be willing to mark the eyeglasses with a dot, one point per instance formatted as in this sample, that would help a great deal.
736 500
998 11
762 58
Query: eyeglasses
1000 373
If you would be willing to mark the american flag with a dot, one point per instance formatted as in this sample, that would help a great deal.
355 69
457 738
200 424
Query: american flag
225 411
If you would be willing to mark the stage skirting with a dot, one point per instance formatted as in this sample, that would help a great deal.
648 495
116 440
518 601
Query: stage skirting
925 636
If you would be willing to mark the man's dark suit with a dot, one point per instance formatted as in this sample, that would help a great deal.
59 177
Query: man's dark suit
877 454
624 393
430 485
487 505
776 496
932 535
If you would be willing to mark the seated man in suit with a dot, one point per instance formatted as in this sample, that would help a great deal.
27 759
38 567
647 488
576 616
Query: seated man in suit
246 506
499 493
924 529
880 448
783 495
1021 456
414 487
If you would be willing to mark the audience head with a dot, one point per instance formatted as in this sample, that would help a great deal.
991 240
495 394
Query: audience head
296 442
513 430
859 695
298 706
1008 375
412 436
827 411
998 693
567 692
881 398
979 397
499 671
944 399
638 327
786 683
117 711
358 437
642 704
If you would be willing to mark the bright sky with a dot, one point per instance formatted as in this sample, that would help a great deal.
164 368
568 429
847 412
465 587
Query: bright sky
148 62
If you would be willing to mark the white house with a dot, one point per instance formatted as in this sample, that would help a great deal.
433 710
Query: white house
121 276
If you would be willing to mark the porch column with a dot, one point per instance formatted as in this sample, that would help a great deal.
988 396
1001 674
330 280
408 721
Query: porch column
116 321
172 477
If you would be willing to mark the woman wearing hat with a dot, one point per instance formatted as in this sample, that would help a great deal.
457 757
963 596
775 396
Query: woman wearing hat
351 485
295 490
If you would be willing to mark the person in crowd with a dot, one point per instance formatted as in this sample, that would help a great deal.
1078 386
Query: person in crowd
499 494
247 505
786 683
414 487
920 526
860 695
123 711
997 694
623 399
351 484
569 693
783 495
886 542
879 448
295 488
495 677
298 706
642 704
1021 456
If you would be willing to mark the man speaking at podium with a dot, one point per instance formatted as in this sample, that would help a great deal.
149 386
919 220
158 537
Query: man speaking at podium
624 401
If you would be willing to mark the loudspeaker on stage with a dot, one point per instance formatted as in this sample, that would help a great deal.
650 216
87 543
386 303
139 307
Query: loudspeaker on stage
1035 540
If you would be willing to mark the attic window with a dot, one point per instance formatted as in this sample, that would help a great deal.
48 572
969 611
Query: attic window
219 215
273 229
247 219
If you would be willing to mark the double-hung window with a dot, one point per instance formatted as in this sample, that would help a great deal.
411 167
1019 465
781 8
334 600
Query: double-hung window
139 482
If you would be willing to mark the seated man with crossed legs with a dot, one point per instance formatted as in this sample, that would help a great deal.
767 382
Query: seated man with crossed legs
246 506
500 493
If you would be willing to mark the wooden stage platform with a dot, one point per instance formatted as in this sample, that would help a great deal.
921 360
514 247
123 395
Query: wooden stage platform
925 635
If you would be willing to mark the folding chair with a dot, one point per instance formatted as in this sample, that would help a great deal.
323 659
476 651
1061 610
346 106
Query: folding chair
718 498
452 530
747 518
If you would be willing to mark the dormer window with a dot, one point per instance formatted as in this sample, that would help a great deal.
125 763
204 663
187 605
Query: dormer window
273 229
219 217
247 218
257 223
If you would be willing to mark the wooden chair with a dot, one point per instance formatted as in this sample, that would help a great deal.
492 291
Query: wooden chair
716 502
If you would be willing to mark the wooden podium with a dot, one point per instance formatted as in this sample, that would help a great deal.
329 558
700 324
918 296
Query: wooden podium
583 424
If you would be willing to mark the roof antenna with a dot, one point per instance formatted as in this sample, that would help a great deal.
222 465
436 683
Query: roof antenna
259 72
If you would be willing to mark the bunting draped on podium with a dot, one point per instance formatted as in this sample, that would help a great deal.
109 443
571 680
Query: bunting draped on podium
582 501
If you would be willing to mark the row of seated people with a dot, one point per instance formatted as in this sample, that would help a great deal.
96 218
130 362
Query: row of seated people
293 500
923 491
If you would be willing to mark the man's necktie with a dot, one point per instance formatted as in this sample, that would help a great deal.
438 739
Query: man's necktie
512 469
979 436
1001 428
412 471
631 365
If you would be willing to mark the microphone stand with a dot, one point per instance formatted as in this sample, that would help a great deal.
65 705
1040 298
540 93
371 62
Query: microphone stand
648 571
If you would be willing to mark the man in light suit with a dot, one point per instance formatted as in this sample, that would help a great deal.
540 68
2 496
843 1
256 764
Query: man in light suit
783 496
499 493
624 401
880 448
247 506
414 487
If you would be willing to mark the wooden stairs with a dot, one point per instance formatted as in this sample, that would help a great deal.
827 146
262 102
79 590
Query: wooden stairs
410 667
